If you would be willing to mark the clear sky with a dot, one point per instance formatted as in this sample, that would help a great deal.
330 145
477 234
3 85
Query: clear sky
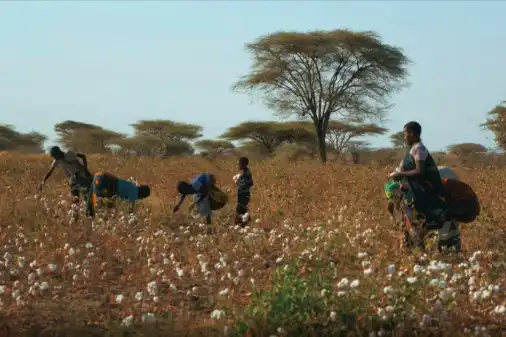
113 63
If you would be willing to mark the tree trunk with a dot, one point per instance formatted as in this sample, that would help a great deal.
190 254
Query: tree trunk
322 145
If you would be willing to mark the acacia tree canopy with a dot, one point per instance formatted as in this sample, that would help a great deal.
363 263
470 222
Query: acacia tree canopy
269 134
341 135
12 140
84 137
167 129
318 74
397 139
214 145
172 135
466 149
496 123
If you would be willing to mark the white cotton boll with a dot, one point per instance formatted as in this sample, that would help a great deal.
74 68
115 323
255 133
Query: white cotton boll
368 272
365 263
447 294
139 296
388 290
119 298
127 321
485 294
412 280
362 255
354 283
344 283
223 292
418 269
500 309
217 314
333 316
44 286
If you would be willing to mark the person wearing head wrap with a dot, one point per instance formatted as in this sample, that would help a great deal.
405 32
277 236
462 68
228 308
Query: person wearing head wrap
206 195
106 185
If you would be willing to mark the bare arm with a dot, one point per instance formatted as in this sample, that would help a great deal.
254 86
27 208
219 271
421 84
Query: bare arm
419 170
48 174
181 200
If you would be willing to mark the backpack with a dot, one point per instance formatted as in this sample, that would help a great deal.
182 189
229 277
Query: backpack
218 199
463 204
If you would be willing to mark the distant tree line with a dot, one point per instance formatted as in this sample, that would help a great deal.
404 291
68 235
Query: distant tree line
337 84
169 138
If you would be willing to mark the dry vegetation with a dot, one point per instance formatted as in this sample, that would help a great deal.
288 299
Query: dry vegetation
320 258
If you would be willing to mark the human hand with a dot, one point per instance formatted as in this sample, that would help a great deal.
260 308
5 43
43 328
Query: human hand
236 177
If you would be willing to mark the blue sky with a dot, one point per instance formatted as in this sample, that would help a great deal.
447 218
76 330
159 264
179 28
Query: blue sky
113 63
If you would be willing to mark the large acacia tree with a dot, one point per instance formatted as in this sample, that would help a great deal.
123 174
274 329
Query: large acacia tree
320 74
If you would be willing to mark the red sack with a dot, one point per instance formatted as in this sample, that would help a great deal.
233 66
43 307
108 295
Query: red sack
463 204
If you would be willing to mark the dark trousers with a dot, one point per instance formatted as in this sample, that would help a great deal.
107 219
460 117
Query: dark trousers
242 203
79 182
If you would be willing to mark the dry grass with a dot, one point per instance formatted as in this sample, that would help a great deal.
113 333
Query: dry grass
322 218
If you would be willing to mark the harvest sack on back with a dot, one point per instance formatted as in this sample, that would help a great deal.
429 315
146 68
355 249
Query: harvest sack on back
217 197
463 204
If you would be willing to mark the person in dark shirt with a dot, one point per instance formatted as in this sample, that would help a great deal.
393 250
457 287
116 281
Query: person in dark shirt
77 173
244 182
106 185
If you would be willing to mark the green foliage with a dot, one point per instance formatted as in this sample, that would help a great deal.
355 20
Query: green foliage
301 305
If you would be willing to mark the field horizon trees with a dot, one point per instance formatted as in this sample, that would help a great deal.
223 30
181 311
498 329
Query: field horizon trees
337 84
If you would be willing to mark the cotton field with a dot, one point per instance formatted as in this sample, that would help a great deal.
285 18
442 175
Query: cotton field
320 253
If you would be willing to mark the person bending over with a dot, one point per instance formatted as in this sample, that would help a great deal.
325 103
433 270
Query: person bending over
106 185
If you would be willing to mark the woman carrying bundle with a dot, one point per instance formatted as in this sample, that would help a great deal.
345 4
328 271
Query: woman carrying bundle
430 202
106 185
206 196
